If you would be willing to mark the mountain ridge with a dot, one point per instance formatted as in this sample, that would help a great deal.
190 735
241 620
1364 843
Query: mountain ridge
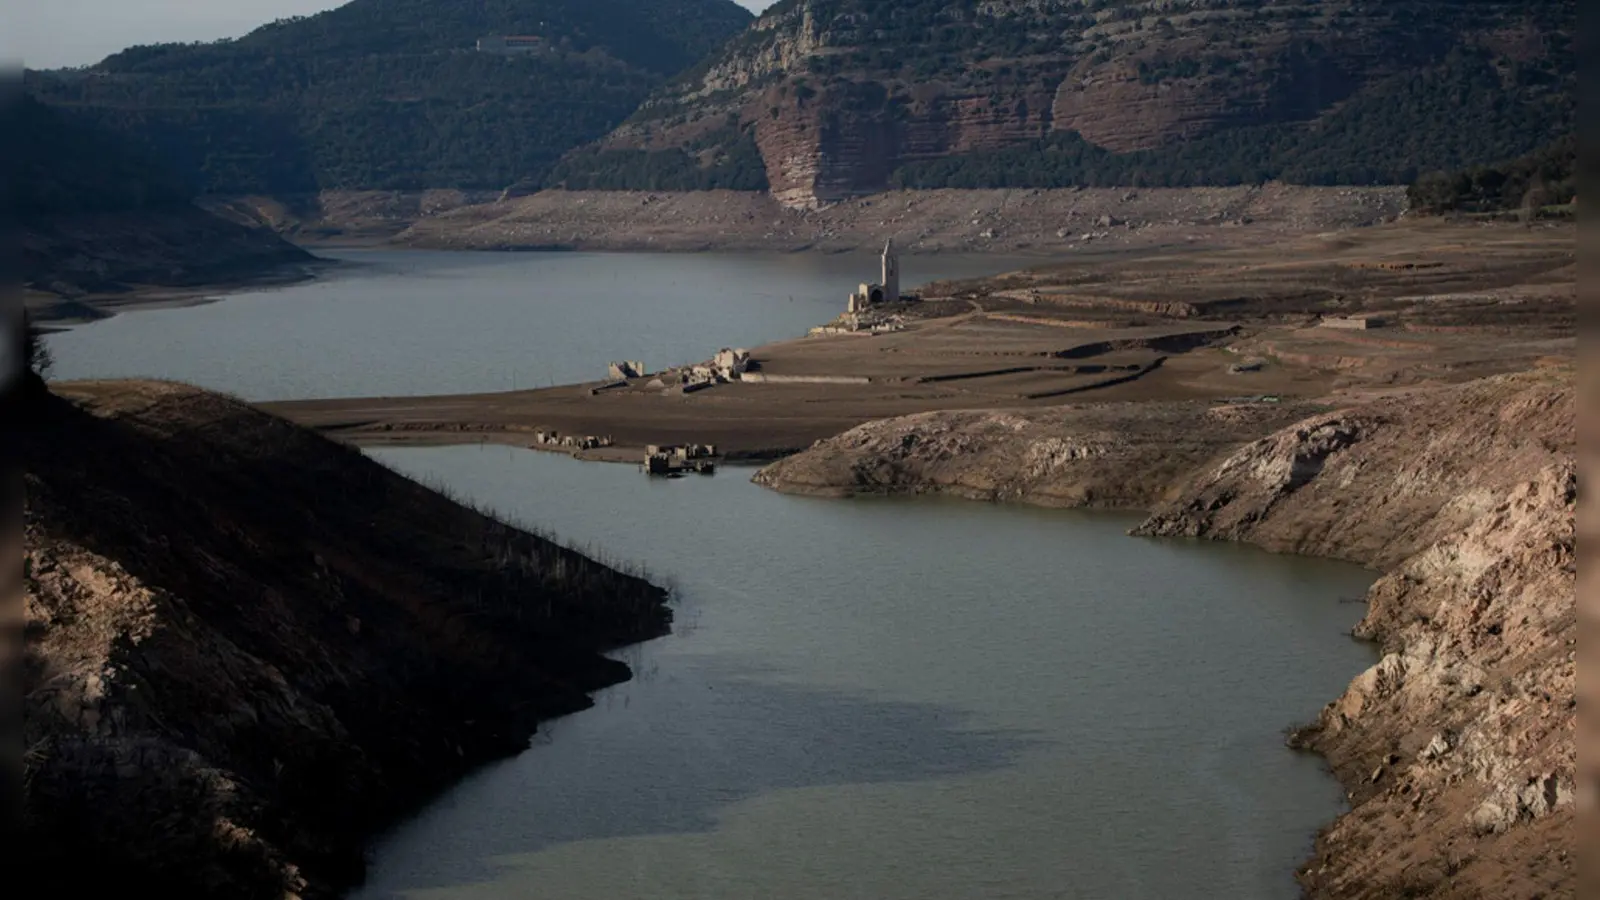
843 97
391 94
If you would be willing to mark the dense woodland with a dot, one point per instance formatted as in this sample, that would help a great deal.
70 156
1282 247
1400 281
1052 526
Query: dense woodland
391 94
55 166
1528 184
725 159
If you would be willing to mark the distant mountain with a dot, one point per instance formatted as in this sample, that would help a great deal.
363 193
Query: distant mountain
826 99
393 94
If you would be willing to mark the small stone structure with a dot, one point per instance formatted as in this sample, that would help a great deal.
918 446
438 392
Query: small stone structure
730 364
557 440
678 459
629 369
857 323
512 44
1352 323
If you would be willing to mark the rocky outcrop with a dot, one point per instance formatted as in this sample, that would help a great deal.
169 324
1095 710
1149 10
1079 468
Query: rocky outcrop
1111 455
1379 482
1459 745
249 647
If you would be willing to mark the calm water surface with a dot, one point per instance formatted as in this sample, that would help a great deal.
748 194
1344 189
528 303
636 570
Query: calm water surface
865 699
395 322
902 699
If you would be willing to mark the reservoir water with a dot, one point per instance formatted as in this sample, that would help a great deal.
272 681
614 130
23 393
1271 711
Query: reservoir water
407 323
902 699
909 698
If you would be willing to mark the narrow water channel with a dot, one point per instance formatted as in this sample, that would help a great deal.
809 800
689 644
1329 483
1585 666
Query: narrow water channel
901 699
873 699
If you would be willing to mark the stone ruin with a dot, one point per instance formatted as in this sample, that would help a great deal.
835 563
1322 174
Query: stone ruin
682 452
555 439
1352 323
728 365
621 371
673 459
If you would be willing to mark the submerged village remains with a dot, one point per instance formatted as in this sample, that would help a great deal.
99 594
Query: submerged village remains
864 314
1426 428
1401 396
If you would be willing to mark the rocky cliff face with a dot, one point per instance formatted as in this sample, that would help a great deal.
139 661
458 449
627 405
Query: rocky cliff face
840 93
249 647
1458 747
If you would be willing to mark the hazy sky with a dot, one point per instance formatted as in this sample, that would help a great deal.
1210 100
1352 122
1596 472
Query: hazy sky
51 33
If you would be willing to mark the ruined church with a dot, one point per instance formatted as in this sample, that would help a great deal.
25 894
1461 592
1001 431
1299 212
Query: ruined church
885 291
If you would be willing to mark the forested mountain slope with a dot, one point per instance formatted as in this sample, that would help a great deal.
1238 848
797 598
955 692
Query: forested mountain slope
93 215
827 99
392 94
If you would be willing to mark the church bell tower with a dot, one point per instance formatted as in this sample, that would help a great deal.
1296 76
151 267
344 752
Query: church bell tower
891 273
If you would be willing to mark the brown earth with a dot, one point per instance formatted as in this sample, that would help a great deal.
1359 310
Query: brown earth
1134 327
342 218
1437 446
1458 748
249 647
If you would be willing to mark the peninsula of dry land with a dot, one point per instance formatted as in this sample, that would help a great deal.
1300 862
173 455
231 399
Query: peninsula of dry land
1400 396
1256 329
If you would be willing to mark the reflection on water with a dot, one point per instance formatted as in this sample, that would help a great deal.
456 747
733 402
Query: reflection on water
717 736
902 698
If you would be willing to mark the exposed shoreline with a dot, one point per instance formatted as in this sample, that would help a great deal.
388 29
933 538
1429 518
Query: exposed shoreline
1456 750
54 311
1463 397
1050 225
1266 473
